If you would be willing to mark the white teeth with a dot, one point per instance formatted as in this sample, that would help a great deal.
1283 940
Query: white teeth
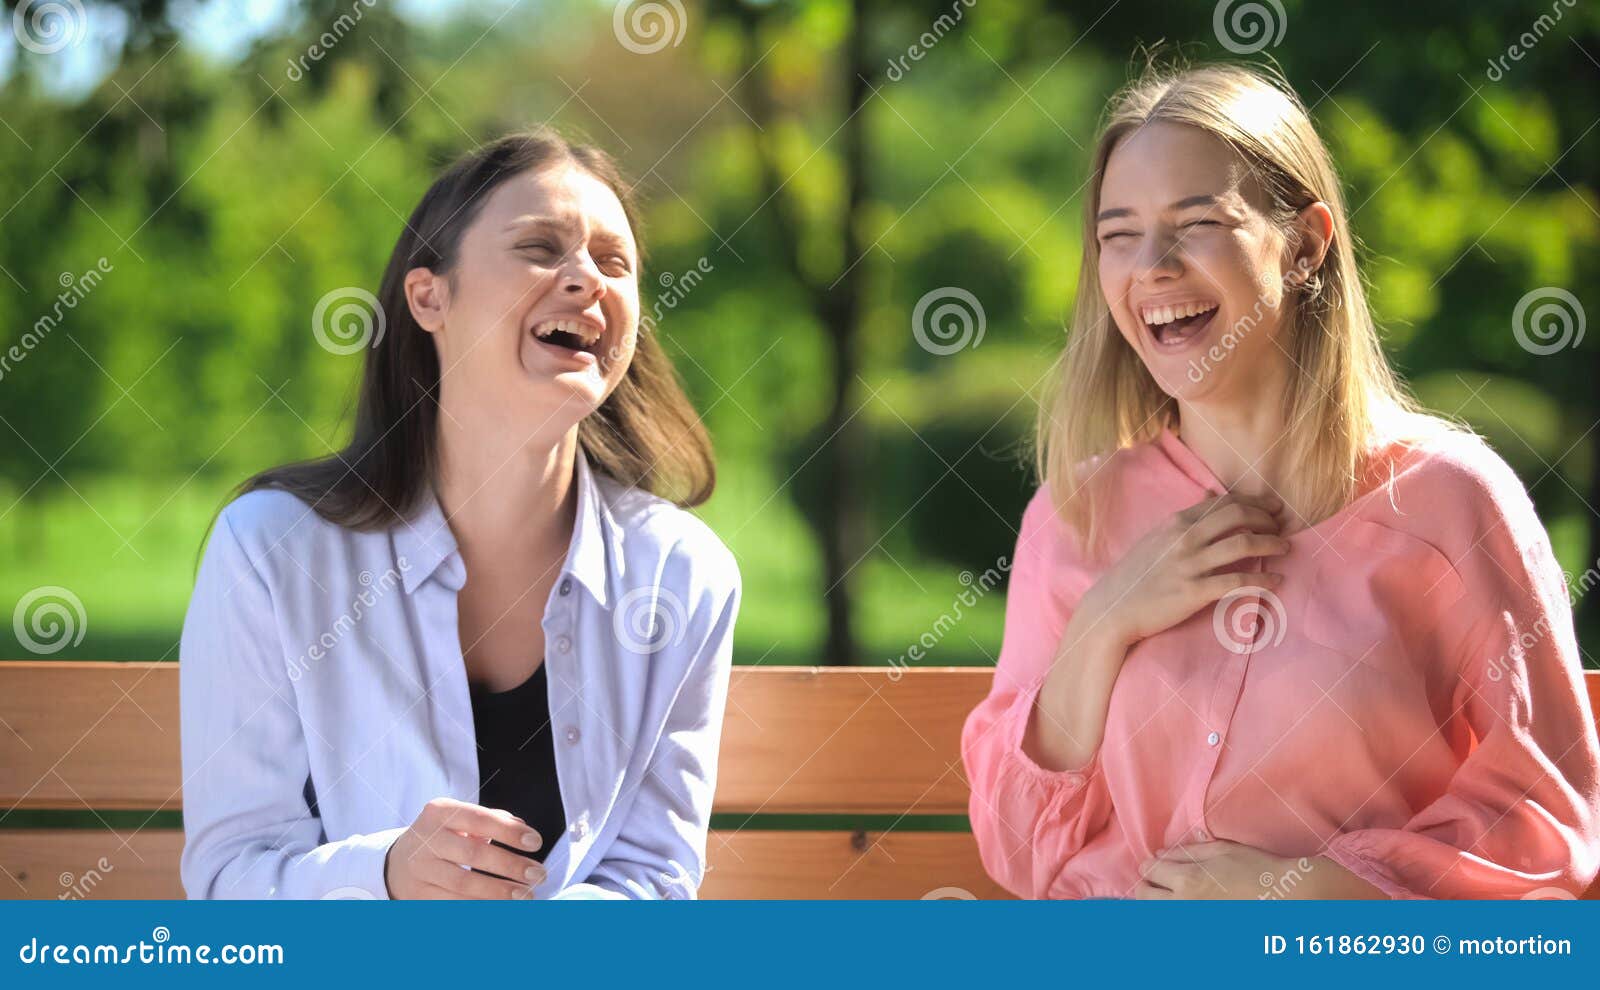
577 328
1157 315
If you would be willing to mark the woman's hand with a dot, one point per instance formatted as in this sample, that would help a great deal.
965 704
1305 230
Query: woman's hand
1170 573
428 860
1216 870
1220 869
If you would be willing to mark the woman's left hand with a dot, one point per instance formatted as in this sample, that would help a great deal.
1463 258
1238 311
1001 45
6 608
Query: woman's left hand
1214 870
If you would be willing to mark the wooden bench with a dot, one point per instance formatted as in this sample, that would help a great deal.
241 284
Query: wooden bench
836 741
840 741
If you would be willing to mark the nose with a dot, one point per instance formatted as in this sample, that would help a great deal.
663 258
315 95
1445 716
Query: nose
580 277
1158 259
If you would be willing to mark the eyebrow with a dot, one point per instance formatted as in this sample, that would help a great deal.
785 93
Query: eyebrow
1202 199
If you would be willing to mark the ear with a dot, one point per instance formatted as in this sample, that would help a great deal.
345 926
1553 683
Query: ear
1315 226
428 297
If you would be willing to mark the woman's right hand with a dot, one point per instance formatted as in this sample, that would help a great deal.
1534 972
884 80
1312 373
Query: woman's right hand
427 861
1170 573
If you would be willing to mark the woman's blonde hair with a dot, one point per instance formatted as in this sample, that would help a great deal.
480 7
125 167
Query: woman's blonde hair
1345 394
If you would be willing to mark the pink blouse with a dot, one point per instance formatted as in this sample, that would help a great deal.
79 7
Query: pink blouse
1408 702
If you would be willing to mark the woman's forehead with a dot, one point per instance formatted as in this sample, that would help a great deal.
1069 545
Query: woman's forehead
1165 160
564 196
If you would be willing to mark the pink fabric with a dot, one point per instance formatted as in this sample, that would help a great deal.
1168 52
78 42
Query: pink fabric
1427 616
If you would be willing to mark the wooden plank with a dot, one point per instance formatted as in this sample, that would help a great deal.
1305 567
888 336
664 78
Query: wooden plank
795 740
864 740
78 864
89 735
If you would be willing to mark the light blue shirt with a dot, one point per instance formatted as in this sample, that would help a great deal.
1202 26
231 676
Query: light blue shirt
325 700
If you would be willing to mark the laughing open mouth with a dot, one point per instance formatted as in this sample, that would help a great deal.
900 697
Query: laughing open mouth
573 335
1175 323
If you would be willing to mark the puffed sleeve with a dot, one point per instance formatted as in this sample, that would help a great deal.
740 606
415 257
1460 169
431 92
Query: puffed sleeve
248 830
1521 816
1029 821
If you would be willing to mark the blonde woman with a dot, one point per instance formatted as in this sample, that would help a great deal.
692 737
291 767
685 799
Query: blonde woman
1271 632
481 652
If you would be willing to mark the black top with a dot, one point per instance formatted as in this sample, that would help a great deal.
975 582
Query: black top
517 757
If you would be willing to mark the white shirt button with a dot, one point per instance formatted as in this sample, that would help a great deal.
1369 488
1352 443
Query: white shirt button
566 586
1213 739
572 734
563 644
1201 835
580 828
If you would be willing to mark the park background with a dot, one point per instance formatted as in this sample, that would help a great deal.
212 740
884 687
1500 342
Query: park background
183 182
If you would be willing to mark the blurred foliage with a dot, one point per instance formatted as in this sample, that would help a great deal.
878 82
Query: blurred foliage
228 195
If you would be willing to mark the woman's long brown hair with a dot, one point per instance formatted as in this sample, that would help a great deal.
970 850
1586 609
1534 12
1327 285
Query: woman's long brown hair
646 435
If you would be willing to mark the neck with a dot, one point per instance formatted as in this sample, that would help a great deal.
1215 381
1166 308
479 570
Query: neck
1242 443
501 496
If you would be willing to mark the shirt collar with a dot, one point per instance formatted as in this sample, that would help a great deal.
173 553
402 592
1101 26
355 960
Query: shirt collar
425 545
1187 461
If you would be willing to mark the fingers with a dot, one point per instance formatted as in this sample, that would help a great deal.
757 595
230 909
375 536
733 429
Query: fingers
481 854
1147 891
1238 547
1213 586
1230 512
473 819
1197 852
467 884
